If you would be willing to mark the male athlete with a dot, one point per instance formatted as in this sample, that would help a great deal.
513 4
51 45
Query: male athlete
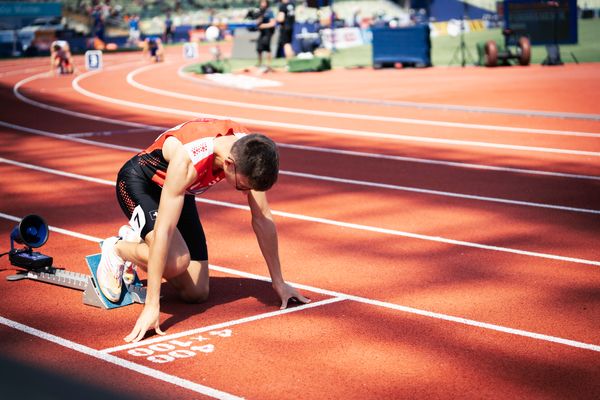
153 47
156 191
61 60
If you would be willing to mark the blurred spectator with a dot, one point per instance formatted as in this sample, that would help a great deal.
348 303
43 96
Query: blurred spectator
98 19
266 27
286 17
168 35
134 30
356 18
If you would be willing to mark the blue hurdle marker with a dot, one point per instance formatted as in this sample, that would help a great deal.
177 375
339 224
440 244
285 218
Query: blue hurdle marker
93 60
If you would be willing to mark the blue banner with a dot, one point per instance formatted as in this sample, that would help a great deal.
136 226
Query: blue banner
24 9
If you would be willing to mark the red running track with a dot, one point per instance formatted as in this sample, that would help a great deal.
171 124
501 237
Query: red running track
444 222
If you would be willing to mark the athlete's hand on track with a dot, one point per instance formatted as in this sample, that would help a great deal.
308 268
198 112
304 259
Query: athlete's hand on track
287 293
148 319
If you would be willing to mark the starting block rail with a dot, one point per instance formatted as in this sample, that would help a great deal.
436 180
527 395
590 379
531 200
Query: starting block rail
134 293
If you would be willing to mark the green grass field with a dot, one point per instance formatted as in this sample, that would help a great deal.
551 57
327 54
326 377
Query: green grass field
587 50
444 47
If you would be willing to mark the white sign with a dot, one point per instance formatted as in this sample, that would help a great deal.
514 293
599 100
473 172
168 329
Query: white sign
93 60
342 38
190 51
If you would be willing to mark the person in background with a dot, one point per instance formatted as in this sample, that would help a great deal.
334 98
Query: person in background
61 60
266 27
168 35
134 30
154 49
286 17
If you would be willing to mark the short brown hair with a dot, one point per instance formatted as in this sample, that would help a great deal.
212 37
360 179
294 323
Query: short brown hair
257 158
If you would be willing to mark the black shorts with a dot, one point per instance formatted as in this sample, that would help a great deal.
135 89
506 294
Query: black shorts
285 35
135 189
264 42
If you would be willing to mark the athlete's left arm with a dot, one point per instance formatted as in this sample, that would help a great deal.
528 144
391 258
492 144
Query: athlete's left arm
266 234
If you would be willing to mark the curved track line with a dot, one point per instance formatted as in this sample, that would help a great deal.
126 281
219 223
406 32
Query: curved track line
404 104
130 79
337 296
309 148
326 221
44 106
309 128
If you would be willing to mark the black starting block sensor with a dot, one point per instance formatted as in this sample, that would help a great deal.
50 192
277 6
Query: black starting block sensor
33 232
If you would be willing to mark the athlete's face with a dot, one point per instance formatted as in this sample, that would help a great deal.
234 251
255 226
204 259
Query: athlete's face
239 181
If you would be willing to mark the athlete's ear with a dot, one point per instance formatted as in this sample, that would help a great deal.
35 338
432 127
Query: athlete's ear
227 163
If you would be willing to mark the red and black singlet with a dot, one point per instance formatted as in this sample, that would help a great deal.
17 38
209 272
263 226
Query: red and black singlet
197 138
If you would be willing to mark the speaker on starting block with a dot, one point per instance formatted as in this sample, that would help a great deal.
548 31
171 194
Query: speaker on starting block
32 232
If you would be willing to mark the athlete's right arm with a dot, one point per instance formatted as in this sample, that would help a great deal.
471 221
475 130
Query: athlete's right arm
180 174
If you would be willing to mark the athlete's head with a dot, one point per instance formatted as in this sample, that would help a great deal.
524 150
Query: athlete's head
256 157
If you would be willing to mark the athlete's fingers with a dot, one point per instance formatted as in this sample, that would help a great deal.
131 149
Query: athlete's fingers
134 332
158 330
141 335
284 303
302 299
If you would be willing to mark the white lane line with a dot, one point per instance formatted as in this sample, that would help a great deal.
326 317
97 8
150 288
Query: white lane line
64 137
66 232
335 223
337 296
359 183
88 351
308 148
439 193
436 162
318 129
107 133
222 325
23 71
48 107
292 110
424 313
403 104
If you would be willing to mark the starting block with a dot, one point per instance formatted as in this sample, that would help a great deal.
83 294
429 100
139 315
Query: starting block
92 296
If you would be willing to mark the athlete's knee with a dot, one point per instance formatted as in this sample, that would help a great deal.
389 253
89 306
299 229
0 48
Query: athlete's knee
180 262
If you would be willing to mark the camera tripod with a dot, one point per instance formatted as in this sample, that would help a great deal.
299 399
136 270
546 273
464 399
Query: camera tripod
462 48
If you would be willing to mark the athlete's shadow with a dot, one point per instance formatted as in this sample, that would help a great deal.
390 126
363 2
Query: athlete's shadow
222 291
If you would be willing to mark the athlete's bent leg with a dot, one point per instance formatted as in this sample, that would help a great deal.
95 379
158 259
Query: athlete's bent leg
193 284
178 258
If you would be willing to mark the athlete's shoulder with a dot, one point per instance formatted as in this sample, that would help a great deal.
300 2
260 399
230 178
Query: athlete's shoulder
206 127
